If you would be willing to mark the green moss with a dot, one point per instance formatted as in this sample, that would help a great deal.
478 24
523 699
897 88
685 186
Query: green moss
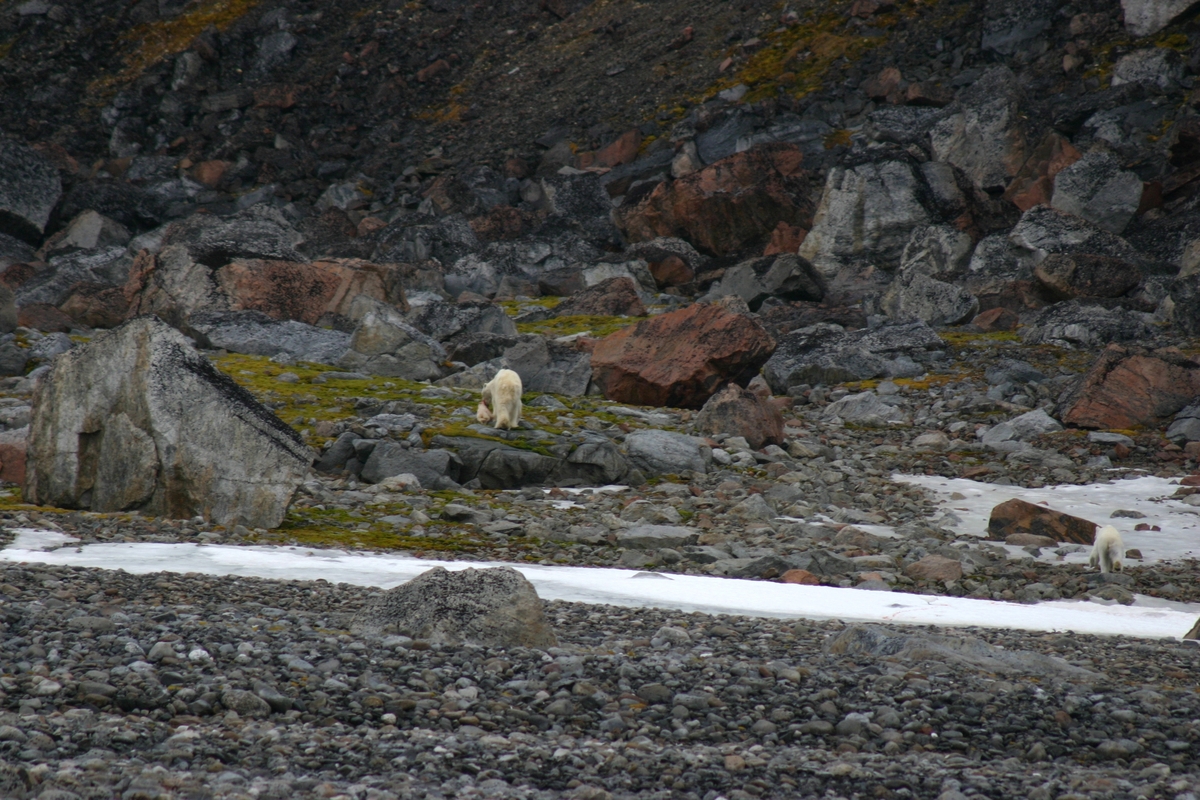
964 338
515 307
567 325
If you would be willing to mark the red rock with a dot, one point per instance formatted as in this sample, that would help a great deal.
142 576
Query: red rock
368 225
1192 450
516 168
1017 516
671 271
1066 276
16 275
615 297
623 150
935 568
1034 182
680 358
740 412
974 472
1029 540
800 576
210 173
45 318
1190 480
503 223
1121 450
433 70
12 456
1132 388
306 292
887 82
96 305
929 93
729 204
996 319
1146 526
283 96
785 239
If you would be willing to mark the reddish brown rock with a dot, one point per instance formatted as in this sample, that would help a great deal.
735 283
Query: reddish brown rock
503 223
210 173
306 292
929 93
433 70
729 204
1066 276
887 82
935 568
615 297
17 274
671 271
45 318
1132 388
1029 540
681 358
281 96
741 412
96 305
1017 516
1192 450
800 576
623 150
12 455
996 319
1034 182
785 239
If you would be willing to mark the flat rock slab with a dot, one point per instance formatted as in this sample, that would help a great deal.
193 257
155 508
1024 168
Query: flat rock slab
1019 517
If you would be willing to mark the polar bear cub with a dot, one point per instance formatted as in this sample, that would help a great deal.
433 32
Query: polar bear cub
503 393
1108 550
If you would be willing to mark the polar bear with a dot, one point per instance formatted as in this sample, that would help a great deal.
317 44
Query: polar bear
1108 550
503 393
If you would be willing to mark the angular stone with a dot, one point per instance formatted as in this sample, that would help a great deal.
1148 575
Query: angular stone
1072 323
1069 276
88 231
136 418
986 138
384 343
29 190
254 333
1034 183
727 205
657 452
1131 388
652 537
935 568
389 459
94 305
260 231
866 409
307 292
613 297
550 367
680 358
938 251
1146 17
494 607
452 321
800 576
996 319
1186 426
866 216
788 277
13 445
828 354
1096 189
739 412
1018 516
1157 67
913 296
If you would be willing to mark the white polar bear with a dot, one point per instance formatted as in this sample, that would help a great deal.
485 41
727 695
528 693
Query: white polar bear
503 393
1108 550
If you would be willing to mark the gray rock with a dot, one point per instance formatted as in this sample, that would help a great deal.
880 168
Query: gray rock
475 348
1096 189
985 138
444 321
828 354
484 607
341 451
1184 295
637 271
1043 230
29 190
384 343
254 333
8 310
89 230
509 468
995 264
664 246
903 124
274 49
1157 67
246 704
1010 25
1012 371
593 463
1106 437
1186 425
866 215
866 409
721 140
1144 17
550 367
657 452
13 250
1026 426
524 259
415 238
431 467
258 232
1071 323
938 251
913 296
785 276
652 537
54 283
110 412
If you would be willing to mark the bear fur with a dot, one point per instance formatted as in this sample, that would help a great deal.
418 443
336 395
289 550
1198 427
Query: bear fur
502 393
1108 550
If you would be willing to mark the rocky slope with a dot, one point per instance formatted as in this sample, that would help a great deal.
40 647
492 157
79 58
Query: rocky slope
750 260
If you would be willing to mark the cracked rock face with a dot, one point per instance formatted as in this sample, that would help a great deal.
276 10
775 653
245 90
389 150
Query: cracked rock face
137 419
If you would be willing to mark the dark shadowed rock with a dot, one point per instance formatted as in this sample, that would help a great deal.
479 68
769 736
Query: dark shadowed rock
1130 388
612 297
829 354
1069 276
451 321
54 283
1072 323
474 348
308 291
258 232
136 419
254 333
1185 304
786 276
485 607
384 343
419 237
1096 189
739 412
680 358
430 466
549 366
29 189
1017 516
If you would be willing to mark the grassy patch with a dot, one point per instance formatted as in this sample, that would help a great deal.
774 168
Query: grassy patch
971 339
565 326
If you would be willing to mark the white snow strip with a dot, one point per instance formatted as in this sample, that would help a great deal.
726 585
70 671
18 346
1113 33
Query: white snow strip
1180 522
618 587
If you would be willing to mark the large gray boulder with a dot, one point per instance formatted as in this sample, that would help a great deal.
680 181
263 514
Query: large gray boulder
433 468
866 215
938 251
913 296
986 137
1145 17
29 190
1010 25
415 238
494 607
785 276
258 232
136 419
256 334
829 354
550 367
657 452
1154 67
1073 324
444 321
1043 231
1186 425
1096 189
384 343
54 283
